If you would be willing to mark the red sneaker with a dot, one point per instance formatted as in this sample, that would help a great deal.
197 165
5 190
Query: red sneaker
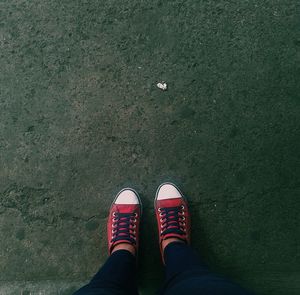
172 214
124 219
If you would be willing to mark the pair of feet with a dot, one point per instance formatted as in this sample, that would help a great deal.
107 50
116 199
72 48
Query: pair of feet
171 212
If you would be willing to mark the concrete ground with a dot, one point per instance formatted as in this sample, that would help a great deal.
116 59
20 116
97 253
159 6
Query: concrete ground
81 117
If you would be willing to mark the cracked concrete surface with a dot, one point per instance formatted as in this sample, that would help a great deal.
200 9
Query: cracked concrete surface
81 117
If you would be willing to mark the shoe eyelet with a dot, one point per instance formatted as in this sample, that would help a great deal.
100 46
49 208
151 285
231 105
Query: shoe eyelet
161 220
183 218
182 207
134 226
160 214
159 209
135 220
161 232
114 214
135 215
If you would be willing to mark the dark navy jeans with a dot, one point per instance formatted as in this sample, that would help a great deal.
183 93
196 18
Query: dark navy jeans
185 274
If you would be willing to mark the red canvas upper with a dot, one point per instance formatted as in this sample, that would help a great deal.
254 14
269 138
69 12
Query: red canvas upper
127 227
178 223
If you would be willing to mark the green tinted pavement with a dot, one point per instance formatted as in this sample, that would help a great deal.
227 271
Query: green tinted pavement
81 117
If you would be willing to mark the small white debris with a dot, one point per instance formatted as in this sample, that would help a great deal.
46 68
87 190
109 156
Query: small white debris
162 85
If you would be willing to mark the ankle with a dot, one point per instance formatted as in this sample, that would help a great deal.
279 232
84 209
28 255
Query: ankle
124 246
168 241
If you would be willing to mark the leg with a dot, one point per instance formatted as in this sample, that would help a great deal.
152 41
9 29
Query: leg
185 260
117 276
186 273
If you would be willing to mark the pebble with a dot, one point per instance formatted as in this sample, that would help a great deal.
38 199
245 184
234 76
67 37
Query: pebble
162 85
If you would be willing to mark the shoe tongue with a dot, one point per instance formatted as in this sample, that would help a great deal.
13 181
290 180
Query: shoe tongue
175 202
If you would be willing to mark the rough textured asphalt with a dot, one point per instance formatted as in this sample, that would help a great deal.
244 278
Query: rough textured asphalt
81 117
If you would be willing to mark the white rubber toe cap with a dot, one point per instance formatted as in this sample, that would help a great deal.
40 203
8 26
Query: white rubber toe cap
168 191
127 197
